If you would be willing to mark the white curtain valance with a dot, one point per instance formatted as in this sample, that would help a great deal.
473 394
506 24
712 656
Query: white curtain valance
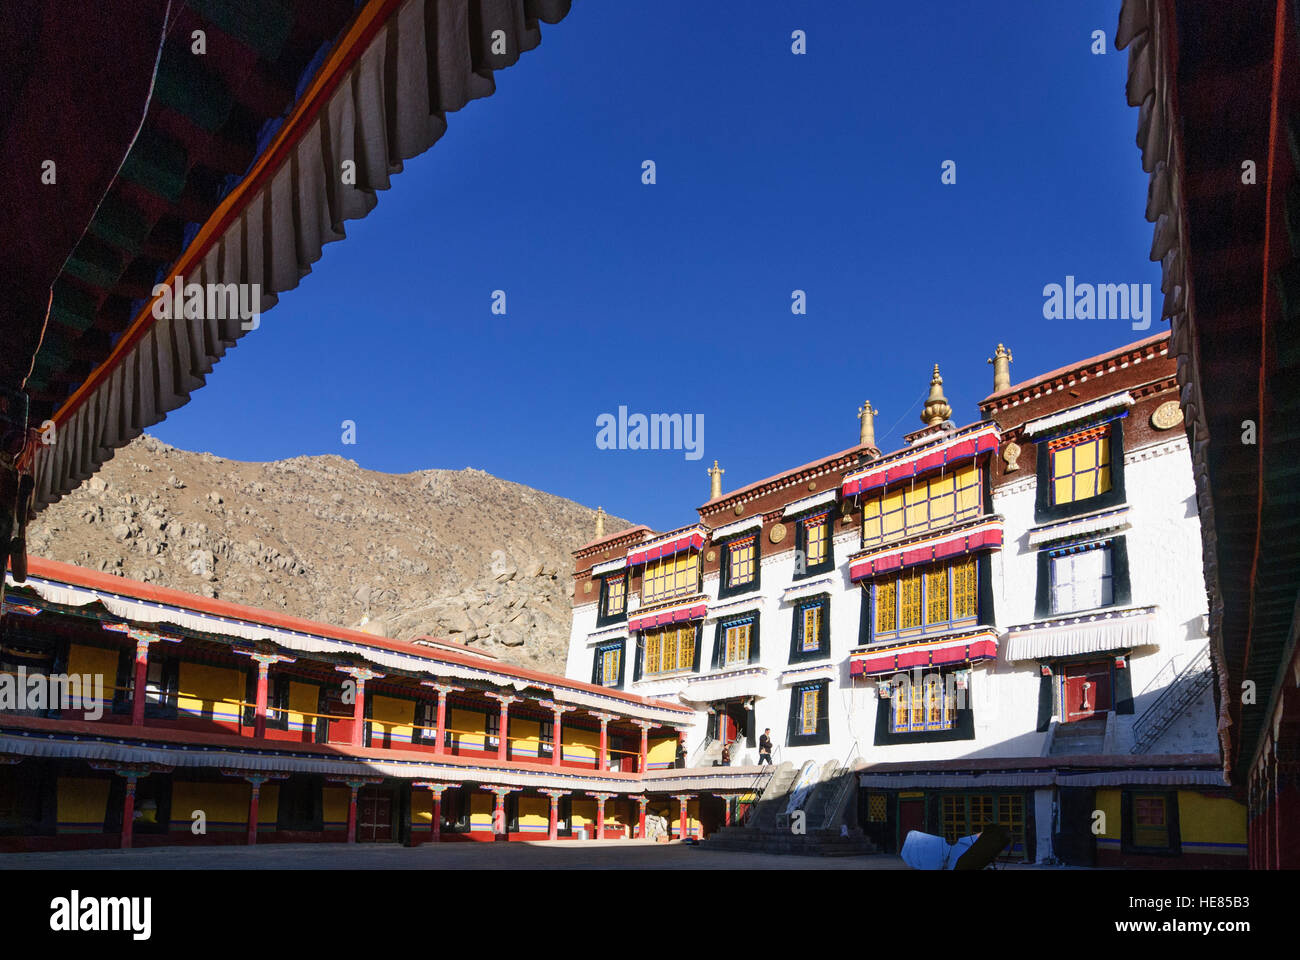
1102 635
753 683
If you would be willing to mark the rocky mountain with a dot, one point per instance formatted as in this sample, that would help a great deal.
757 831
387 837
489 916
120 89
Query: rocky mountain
457 554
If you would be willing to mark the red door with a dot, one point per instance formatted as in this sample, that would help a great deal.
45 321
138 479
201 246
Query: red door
1087 689
911 816
728 732
374 814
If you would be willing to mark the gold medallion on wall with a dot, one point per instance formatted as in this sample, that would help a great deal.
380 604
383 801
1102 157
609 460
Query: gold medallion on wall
777 533
1167 416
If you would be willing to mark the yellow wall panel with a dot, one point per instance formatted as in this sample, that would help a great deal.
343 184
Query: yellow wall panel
391 721
82 803
95 661
203 689
334 805
1203 819
1108 801
473 721
225 805
421 808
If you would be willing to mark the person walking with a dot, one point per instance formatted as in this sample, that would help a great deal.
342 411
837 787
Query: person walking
765 747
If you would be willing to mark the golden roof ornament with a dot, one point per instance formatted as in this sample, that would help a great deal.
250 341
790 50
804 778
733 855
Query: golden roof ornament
936 409
867 424
1001 361
715 480
600 522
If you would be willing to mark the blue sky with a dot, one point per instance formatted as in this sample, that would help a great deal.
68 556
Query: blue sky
775 172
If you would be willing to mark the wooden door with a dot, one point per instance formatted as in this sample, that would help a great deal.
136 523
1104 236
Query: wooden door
374 814
1087 689
911 816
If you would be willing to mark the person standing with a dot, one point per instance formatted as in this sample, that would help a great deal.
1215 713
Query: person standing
765 747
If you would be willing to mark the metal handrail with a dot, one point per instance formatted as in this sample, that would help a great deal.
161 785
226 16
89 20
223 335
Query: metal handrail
841 793
1195 668
756 788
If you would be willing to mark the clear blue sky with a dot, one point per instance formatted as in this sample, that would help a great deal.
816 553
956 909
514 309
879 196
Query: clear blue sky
775 172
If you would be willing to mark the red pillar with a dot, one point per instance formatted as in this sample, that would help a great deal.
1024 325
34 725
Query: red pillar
442 736
252 812
604 744
553 831
503 733
600 818
352 812
436 823
640 820
128 810
645 749
499 813
259 715
359 714
726 811
683 826
557 752
141 678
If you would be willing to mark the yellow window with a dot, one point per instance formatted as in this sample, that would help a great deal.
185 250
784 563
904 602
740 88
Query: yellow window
964 589
936 594
872 517
741 562
738 643
816 539
812 626
615 594
918 507
609 667
892 515
943 502
653 642
1080 465
1150 821
954 818
808 711
671 576
886 606
966 481
911 599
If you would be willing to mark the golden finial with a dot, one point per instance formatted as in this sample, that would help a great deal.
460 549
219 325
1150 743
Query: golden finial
867 424
600 522
715 481
936 409
1001 361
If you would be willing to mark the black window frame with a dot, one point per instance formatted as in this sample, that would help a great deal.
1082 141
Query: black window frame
823 651
1172 823
596 657
603 617
963 727
822 735
724 564
1121 587
1045 509
717 660
801 542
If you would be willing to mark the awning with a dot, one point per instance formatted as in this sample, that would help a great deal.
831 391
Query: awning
380 98
812 588
729 608
1073 415
965 648
609 566
660 618
930 457
1100 632
745 682
986 536
821 671
665 548
1079 527
809 503
740 526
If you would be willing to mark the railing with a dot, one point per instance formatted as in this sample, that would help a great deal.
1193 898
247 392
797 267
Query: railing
842 791
755 792
700 751
316 727
1186 686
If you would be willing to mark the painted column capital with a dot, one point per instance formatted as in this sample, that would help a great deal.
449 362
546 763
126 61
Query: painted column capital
646 725
360 674
498 789
255 777
442 688
602 797
604 718
505 698
436 788
642 800
556 708
685 796
555 794
356 783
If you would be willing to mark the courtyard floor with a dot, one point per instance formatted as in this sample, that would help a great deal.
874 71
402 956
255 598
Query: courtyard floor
539 855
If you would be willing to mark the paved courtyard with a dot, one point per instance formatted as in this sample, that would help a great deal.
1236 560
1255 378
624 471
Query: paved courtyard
542 855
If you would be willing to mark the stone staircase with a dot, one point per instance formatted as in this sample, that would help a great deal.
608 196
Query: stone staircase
769 830
1083 737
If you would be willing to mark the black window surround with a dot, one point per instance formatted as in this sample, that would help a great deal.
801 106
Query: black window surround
963 727
1121 592
1044 509
724 564
718 660
797 653
793 736
801 544
602 617
1175 846
596 664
